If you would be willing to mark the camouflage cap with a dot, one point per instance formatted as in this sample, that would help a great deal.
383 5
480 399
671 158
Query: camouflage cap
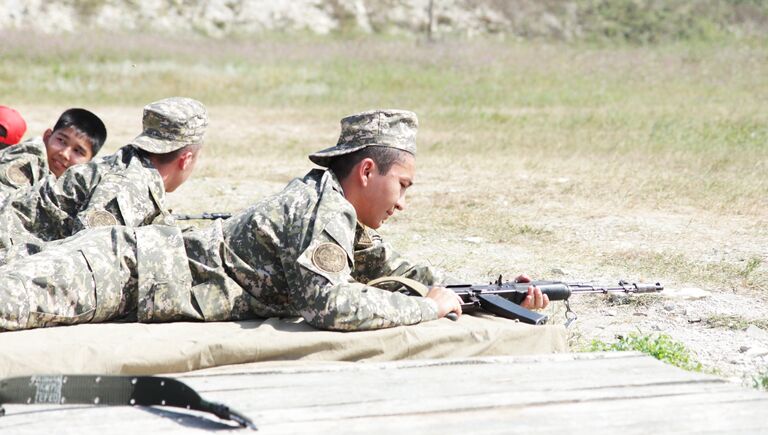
384 128
171 124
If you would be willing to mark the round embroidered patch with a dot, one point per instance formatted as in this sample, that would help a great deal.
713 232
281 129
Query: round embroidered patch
100 218
329 257
16 175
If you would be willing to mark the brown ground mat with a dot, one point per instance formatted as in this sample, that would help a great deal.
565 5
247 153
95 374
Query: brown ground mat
136 348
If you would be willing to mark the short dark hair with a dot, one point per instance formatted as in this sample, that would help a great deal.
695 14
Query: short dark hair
86 123
3 131
166 158
384 157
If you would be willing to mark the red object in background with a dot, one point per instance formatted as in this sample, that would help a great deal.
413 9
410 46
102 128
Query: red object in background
14 126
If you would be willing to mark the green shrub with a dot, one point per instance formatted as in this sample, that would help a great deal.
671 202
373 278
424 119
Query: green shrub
661 347
654 21
760 380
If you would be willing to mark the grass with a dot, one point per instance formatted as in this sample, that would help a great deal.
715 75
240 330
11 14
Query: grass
531 146
721 274
659 346
760 380
664 348
734 322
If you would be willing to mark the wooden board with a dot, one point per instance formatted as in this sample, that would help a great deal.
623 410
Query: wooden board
623 393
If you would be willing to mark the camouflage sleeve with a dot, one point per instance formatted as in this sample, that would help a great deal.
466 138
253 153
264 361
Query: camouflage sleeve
329 298
48 209
375 258
21 166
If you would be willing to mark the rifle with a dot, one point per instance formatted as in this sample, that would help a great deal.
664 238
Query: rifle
503 298
201 216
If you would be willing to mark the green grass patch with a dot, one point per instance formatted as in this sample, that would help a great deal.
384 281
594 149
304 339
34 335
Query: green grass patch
734 322
659 346
760 380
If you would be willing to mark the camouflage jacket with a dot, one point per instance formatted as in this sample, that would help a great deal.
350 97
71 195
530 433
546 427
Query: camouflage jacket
298 253
121 189
22 165
302 253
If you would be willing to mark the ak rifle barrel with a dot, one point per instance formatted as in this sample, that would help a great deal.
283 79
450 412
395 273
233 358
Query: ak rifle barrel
556 291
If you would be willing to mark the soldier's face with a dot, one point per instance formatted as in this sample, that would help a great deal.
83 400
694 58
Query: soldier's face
66 147
384 194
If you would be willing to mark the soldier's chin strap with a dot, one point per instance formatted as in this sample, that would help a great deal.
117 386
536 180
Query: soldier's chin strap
111 391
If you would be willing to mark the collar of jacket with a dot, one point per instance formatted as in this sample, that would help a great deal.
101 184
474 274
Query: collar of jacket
333 213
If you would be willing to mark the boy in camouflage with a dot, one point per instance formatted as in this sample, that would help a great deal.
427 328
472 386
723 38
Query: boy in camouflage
125 188
77 136
308 251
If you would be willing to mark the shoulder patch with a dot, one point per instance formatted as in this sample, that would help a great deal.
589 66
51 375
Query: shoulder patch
329 257
16 175
100 218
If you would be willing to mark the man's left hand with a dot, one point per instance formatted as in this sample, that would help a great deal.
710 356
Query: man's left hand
535 300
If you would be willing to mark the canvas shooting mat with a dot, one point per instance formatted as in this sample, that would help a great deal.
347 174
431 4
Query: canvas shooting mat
140 348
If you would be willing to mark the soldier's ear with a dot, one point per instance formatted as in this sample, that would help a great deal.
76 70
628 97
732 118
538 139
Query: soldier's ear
47 136
365 169
185 159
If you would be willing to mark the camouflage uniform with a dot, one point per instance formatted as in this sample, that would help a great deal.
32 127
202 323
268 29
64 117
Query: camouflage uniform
22 165
298 253
121 189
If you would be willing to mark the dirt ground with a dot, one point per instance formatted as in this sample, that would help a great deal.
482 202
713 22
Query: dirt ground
251 154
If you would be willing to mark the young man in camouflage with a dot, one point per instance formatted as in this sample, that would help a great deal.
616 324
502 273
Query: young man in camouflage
77 136
126 188
308 251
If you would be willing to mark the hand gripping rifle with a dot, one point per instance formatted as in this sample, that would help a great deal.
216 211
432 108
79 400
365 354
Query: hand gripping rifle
503 298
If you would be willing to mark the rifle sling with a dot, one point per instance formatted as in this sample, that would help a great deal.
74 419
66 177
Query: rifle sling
408 283
111 391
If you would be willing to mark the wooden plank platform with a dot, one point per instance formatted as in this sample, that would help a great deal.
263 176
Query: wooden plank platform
620 392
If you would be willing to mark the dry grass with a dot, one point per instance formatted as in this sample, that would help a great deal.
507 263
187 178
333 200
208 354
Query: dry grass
602 162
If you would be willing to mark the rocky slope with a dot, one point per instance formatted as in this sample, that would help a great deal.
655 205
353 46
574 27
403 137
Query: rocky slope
635 20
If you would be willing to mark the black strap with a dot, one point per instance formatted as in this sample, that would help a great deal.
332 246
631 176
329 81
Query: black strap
111 391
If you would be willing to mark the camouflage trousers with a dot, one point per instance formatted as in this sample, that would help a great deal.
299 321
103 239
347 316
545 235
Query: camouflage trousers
100 275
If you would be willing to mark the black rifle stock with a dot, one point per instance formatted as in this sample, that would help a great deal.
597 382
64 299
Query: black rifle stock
503 298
